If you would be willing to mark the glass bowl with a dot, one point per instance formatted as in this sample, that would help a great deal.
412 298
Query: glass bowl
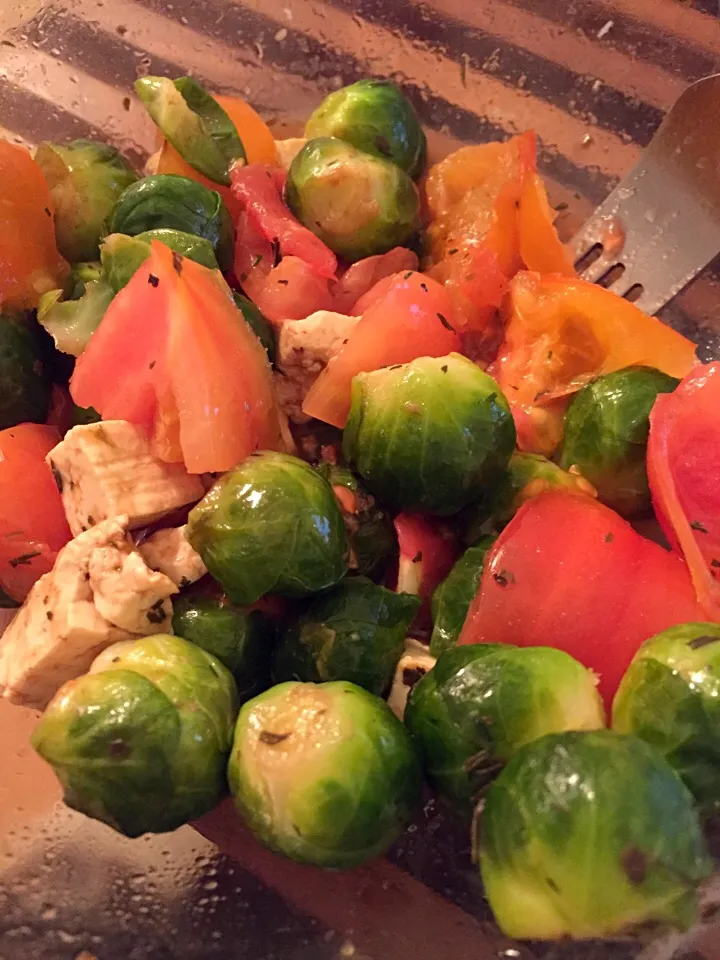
593 78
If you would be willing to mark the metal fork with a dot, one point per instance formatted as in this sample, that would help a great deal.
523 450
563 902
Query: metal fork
661 225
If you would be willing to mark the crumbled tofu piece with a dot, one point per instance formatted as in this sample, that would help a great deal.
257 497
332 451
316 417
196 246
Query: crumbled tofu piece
304 349
61 627
169 552
287 150
106 470
412 666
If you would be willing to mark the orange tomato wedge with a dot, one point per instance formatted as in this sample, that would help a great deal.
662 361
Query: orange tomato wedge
540 246
30 264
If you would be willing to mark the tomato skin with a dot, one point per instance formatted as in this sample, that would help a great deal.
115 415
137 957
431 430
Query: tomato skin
563 332
568 572
364 275
413 319
683 460
291 291
30 264
32 519
540 246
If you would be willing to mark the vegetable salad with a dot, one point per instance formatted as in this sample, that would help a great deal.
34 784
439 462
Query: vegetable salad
323 473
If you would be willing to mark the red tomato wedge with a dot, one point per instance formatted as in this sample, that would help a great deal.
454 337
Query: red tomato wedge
291 291
30 264
32 521
568 572
413 319
256 187
427 553
364 275
683 460
540 246
174 355
562 333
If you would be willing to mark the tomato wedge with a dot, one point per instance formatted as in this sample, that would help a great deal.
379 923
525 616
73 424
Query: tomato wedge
568 572
364 275
540 246
32 521
564 332
683 460
174 355
413 319
427 553
30 264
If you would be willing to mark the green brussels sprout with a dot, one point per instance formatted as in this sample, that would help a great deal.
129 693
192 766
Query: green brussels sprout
480 703
122 255
670 697
323 773
371 534
79 276
270 525
169 201
242 640
590 834
359 205
258 322
194 123
355 632
606 433
430 435
85 181
24 385
141 742
375 116
452 598
71 323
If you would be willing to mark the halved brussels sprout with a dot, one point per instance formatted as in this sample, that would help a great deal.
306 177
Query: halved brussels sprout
590 835
428 436
24 384
71 323
480 703
670 697
451 600
375 116
79 276
606 433
121 255
359 205
355 632
261 326
141 742
371 534
324 774
169 201
242 640
85 181
270 525
194 123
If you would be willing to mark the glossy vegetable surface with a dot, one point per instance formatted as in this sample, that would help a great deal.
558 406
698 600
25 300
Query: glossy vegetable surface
270 525
590 835
324 774
451 600
121 255
141 741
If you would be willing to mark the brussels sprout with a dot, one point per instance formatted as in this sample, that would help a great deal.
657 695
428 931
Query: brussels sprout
428 436
194 123
261 326
83 415
168 201
590 834
670 697
71 323
242 640
79 276
451 600
376 117
270 525
480 703
85 181
370 530
24 386
141 741
355 632
122 255
324 774
359 205
527 475
606 432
